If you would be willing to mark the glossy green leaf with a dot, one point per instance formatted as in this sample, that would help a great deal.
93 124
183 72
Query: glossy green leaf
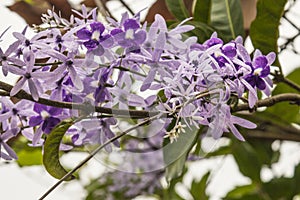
240 192
202 11
284 112
198 188
178 9
264 29
175 153
247 160
227 18
51 150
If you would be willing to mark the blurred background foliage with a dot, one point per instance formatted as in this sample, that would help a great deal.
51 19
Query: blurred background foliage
259 20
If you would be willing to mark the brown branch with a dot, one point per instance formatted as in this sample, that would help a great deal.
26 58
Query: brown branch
278 77
79 106
138 113
270 101
274 135
102 8
127 7
291 84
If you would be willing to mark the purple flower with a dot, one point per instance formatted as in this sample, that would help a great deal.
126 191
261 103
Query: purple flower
84 14
63 84
229 50
214 40
124 98
95 131
101 92
47 117
152 58
173 36
222 121
9 153
29 76
260 70
11 114
6 60
131 36
59 42
33 44
94 38
70 63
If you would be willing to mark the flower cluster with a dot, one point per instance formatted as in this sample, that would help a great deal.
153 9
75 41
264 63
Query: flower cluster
125 65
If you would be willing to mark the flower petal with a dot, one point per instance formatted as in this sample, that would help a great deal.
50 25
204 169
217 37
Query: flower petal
235 132
35 120
33 90
75 78
148 80
84 34
10 151
17 87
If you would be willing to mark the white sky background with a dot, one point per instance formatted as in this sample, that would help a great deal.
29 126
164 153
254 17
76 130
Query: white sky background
32 182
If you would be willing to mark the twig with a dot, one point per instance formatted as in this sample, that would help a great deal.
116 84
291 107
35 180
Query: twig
127 7
80 106
134 72
103 10
138 113
263 134
270 101
95 152
281 78
291 84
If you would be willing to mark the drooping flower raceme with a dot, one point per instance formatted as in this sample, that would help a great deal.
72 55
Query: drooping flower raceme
127 66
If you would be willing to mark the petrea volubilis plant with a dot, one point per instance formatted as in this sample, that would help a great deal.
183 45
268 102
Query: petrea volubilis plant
84 82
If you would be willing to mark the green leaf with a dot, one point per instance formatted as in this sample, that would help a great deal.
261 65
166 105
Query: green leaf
51 150
297 178
198 188
202 11
175 153
264 29
170 193
224 150
280 188
161 95
178 9
30 156
240 192
284 112
227 18
264 151
248 197
201 30
27 155
247 160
